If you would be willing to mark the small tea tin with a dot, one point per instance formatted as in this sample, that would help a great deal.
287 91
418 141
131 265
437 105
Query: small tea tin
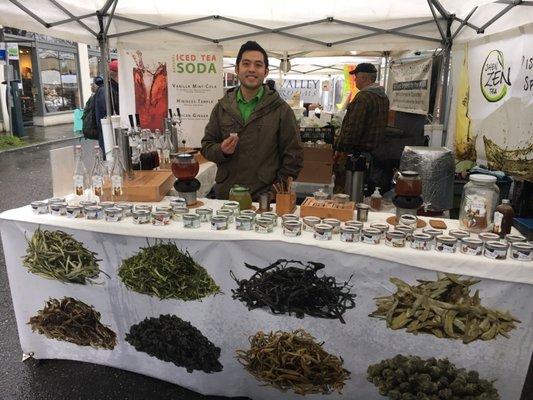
39 207
145 207
471 246
205 214
56 200
408 220
94 212
161 218
371 236
74 212
227 213
384 228
272 215
421 241
310 222
249 213
219 222
178 202
510 238
341 198
362 211
178 212
141 216
292 227
323 232
335 223
233 206
106 204
522 251
58 209
127 209
446 244
113 214
287 217
87 203
244 223
357 224
395 239
350 234
264 225
408 230
487 236
167 209
495 250
458 233
433 232
191 221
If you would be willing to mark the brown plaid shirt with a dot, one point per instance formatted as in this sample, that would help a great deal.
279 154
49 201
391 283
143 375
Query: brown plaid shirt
364 124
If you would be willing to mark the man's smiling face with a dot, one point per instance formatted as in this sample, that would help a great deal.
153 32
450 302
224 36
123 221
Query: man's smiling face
251 70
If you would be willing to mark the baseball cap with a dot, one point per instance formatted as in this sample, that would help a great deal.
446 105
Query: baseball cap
113 65
364 67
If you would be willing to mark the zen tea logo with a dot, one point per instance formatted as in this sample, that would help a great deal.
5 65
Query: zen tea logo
495 77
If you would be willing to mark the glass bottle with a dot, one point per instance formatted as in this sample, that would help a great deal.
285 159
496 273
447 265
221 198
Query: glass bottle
158 141
153 150
480 197
80 172
117 173
98 172
166 148
375 200
146 157
242 196
503 218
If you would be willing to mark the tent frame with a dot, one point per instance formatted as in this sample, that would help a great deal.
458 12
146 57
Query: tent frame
440 15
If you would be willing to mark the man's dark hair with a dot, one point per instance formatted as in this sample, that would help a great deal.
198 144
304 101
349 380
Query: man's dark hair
252 46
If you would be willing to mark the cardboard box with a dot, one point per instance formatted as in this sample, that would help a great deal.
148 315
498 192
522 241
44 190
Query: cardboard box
318 164
322 152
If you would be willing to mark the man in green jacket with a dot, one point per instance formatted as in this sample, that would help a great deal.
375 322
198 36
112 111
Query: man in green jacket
252 134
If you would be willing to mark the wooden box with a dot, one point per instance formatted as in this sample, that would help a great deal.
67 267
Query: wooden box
146 186
327 209
285 203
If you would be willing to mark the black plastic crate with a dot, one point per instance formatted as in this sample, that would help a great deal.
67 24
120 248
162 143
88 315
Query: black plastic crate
326 134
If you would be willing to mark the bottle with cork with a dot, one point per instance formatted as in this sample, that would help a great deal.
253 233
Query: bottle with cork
375 200
503 218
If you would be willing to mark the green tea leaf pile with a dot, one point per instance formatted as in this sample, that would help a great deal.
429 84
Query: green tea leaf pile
171 339
412 378
164 271
73 321
57 255
443 308
293 287
293 361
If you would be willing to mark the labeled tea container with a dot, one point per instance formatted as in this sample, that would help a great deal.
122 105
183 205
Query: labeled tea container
433 232
292 227
264 225
335 223
446 244
249 213
55 200
471 246
191 221
226 212
205 214
233 206
495 250
219 222
287 217
421 241
458 233
395 239
58 209
113 214
244 223
323 232
39 207
407 230
74 212
272 215
87 203
350 234
510 238
178 202
94 212
107 204
161 218
145 207
310 222
522 251
127 209
167 209
371 236
357 224
141 217
408 220
178 212
384 228
487 236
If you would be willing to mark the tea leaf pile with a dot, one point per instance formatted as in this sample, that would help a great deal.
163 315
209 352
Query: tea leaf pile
164 271
443 308
57 255
411 378
73 321
286 287
171 339
293 361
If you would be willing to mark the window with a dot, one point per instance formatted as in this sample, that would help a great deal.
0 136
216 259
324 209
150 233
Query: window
94 66
59 76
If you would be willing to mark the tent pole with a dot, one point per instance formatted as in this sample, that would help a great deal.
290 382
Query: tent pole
386 55
443 114
104 55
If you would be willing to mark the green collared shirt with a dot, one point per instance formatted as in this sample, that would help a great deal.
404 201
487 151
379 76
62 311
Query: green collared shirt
247 107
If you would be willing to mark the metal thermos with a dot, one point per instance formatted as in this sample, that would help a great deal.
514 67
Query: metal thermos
122 139
355 177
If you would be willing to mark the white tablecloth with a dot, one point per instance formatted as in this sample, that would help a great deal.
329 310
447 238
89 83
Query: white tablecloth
506 285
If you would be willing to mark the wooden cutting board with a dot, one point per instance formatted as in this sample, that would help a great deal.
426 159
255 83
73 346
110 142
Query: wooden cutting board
145 186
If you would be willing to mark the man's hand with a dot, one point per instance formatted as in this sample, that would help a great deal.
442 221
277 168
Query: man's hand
229 144
338 155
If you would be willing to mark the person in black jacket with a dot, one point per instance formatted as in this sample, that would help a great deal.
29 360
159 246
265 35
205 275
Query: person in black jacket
100 106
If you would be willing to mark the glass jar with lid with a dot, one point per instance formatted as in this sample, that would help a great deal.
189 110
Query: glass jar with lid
480 198
241 195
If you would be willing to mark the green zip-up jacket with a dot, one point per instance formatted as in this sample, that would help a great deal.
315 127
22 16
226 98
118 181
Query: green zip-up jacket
269 145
